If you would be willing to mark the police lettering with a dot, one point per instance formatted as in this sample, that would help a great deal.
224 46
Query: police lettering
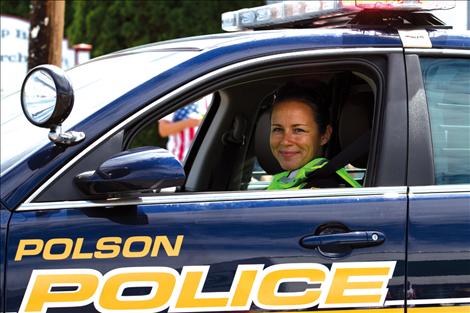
361 284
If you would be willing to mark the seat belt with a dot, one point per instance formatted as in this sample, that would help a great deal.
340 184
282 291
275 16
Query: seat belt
352 152
233 140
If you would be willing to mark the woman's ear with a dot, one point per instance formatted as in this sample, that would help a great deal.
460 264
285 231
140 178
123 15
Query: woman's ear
326 135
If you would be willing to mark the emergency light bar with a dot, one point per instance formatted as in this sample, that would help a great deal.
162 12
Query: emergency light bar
293 11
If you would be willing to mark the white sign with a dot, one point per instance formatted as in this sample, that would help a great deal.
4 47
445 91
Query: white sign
14 53
458 17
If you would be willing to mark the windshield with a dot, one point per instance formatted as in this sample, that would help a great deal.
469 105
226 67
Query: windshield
95 84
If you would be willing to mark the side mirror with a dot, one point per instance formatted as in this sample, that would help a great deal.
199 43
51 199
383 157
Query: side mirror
138 170
47 100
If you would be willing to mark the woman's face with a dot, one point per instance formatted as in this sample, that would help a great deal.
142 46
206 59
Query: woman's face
295 135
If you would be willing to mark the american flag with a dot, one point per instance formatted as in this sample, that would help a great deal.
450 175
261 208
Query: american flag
186 112
180 143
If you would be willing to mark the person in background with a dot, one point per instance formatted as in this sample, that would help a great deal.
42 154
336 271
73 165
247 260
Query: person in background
181 126
300 129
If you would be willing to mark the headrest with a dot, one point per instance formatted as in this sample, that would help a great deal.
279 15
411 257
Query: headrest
262 146
355 120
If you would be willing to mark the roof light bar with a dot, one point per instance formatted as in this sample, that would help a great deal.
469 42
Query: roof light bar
293 11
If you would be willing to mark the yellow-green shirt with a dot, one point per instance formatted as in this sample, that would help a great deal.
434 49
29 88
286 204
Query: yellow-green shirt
298 179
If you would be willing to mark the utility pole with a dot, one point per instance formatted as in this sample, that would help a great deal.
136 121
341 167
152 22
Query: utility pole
46 32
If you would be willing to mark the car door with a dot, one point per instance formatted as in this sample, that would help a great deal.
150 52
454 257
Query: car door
223 251
211 240
439 222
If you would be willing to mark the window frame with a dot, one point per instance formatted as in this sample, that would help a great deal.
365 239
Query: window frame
393 92
421 170
209 82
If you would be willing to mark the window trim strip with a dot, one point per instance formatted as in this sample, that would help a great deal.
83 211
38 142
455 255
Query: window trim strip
438 52
386 192
463 188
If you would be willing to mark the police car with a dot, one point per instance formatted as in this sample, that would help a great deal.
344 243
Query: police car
94 221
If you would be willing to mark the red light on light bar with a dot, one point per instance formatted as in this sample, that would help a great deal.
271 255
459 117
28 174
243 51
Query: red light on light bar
400 4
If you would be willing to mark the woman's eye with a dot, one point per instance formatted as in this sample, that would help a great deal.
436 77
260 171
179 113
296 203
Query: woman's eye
299 130
276 130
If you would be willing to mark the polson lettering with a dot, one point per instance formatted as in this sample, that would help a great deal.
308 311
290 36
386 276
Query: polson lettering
105 248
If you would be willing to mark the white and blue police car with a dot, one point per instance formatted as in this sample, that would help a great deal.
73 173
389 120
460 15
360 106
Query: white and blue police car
93 221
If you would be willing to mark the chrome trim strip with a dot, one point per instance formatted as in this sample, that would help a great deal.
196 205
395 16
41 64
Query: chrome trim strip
428 301
438 52
439 301
393 303
465 188
201 80
171 198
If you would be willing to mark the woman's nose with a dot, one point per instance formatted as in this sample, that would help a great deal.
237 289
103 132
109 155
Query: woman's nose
287 138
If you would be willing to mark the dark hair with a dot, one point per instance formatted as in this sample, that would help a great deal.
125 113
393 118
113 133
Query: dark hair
313 98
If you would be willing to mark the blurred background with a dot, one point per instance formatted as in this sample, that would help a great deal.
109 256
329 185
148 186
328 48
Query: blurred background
115 25
103 26
67 33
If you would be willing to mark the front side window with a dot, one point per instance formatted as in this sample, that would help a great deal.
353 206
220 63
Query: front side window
175 131
447 85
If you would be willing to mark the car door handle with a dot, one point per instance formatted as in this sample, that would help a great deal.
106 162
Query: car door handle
357 239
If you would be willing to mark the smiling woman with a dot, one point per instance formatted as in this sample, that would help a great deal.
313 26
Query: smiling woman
300 129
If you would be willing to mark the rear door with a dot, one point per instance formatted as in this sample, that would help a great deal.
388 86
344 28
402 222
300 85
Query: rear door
439 176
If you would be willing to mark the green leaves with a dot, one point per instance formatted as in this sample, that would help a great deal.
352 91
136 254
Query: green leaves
116 25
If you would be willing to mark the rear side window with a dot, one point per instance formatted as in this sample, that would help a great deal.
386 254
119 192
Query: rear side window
447 85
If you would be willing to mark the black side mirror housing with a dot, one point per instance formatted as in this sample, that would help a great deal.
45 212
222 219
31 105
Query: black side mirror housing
138 170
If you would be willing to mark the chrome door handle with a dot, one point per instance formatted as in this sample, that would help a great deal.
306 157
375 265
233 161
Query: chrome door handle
357 239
